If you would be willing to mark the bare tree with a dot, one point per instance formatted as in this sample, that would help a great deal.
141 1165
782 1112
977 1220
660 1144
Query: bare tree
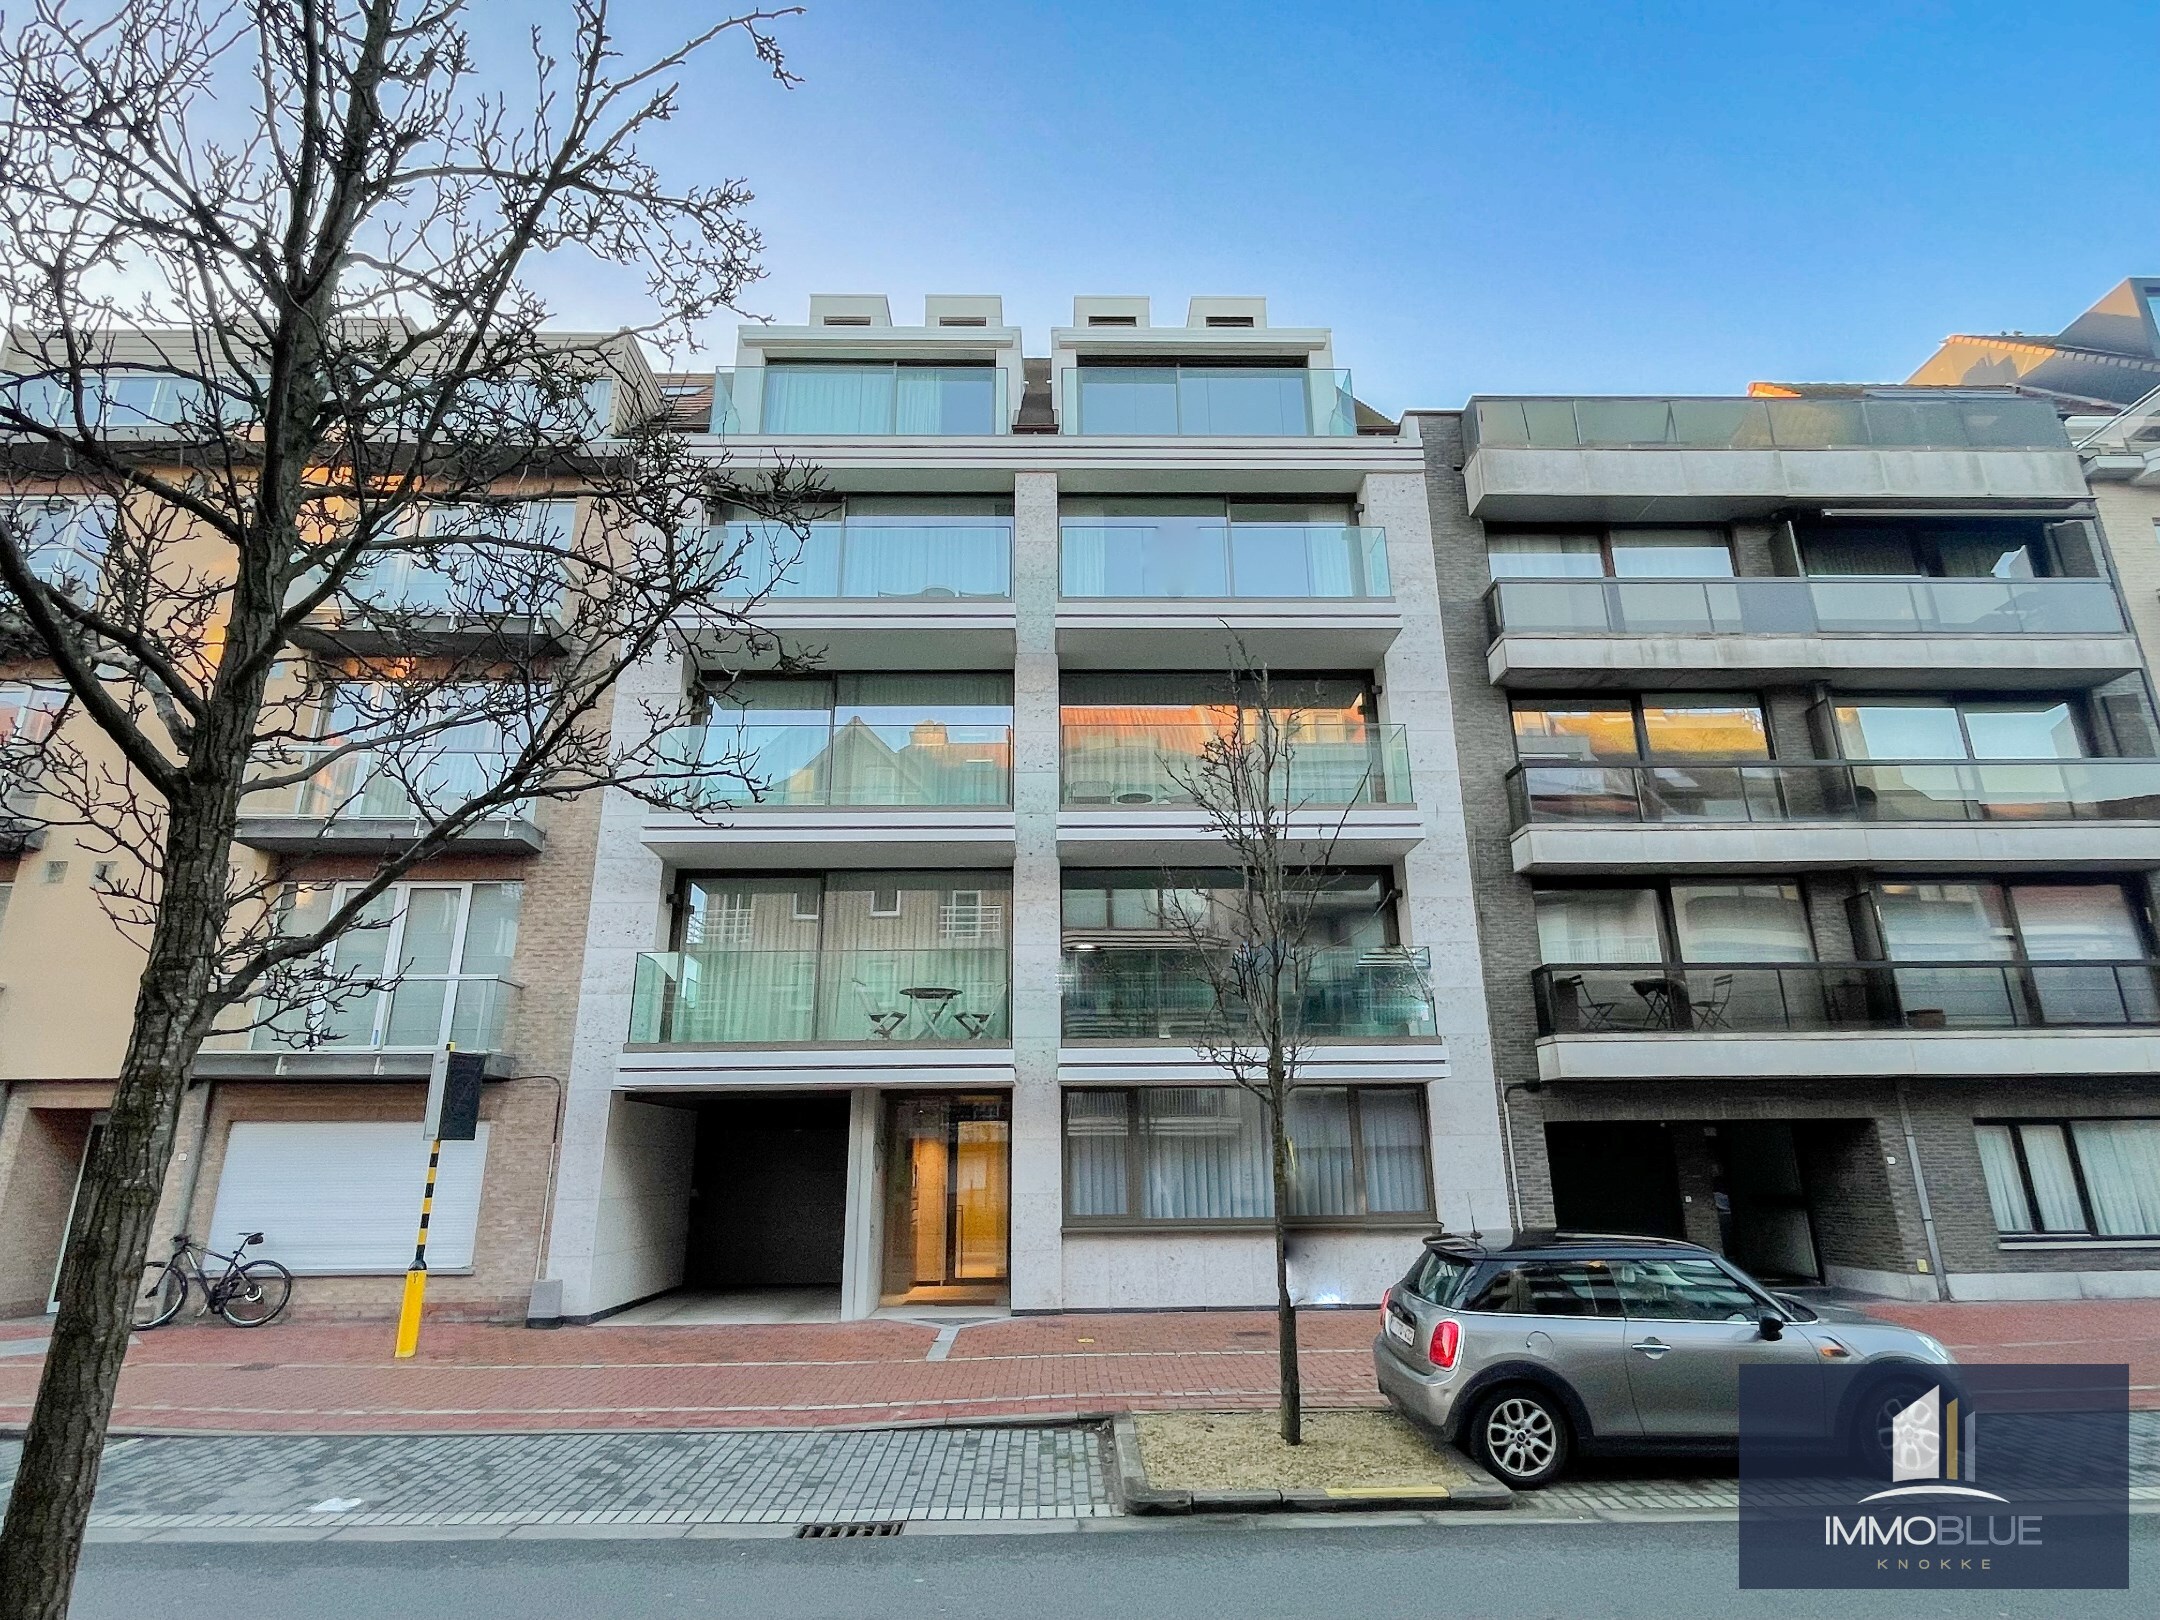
280 434
1255 948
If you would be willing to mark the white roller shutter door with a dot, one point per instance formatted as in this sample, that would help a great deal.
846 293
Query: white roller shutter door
345 1198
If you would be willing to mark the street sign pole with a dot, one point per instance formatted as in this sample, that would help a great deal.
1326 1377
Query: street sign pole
408 1326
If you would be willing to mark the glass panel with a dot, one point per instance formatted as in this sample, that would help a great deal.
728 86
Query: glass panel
1204 1154
1244 400
1671 554
828 399
1945 922
1545 556
1544 1288
1682 1291
2076 922
2047 1156
1741 922
1709 727
1599 925
1981 556
1574 728
416 1013
2023 731
1324 1178
491 928
981 1175
1911 728
917 1192
1125 399
2005 1187
2121 1160
1391 1129
1098 1151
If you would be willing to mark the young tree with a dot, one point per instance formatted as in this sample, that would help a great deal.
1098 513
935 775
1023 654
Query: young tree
280 408
1255 947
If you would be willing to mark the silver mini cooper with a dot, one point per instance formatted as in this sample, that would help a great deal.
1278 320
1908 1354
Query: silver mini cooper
1531 1350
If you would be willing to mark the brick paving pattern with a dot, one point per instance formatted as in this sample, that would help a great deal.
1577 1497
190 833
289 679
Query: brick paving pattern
743 1477
340 1378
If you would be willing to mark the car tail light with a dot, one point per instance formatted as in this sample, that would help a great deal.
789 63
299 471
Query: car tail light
1386 1295
1446 1341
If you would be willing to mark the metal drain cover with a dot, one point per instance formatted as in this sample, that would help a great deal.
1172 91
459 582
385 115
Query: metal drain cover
849 1530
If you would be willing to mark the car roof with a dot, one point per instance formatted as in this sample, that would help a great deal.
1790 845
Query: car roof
1554 1242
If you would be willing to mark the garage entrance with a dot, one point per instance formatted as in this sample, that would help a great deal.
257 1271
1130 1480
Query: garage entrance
1615 1176
768 1204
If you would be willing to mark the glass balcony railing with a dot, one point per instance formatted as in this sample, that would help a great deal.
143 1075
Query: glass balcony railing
1803 607
928 764
725 997
1142 764
1941 423
419 1013
1205 559
365 785
968 559
1161 993
1839 790
1284 402
867 400
1754 998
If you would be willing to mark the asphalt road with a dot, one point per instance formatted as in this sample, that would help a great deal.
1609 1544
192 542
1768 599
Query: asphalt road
1190 1570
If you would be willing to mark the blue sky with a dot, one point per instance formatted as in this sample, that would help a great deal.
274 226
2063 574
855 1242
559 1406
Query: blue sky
1476 197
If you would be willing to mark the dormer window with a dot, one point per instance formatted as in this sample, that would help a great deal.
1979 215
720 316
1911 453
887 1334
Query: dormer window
1113 320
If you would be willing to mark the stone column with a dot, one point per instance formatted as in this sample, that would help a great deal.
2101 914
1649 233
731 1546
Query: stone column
628 914
1469 1179
1037 1157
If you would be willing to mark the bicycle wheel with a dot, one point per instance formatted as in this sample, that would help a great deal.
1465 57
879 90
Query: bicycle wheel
160 1294
257 1294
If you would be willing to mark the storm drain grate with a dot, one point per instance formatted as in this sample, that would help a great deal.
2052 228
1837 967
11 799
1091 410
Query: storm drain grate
849 1530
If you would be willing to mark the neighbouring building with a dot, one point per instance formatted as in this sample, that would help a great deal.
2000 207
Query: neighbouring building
305 1128
911 1027
1808 759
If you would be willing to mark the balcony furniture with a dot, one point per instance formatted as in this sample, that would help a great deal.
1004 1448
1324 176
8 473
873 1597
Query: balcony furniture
1577 1008
974 1023
1709 1013
883 1021
933 1001
1666 1001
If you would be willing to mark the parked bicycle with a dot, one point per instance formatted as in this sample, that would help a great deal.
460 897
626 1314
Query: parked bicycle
247 1293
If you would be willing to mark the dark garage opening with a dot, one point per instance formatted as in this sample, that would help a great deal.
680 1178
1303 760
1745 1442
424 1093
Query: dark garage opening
1614 1176
768 1201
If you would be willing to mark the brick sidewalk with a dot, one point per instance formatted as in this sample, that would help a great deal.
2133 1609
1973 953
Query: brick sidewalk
310 1378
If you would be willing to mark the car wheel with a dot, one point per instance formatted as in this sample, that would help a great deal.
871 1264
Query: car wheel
1521 1435
1874 1420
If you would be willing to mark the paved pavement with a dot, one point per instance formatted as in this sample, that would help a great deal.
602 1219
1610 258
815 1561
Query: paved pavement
303 1377
1490 1566
329 1484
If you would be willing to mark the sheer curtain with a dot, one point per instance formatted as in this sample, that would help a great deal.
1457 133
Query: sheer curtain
1325 1178
828 399
1205 1154
2054 1183
2121 1159
1098 1153
2005 1188
1391 1126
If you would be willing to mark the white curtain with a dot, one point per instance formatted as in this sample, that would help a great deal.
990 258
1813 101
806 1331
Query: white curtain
2054 1183
1098 1148
828 399
1326 1176
1205 1154
2122 1173
2005 1188
1391 1126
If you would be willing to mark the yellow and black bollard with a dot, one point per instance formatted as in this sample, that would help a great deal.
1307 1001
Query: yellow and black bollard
408 1322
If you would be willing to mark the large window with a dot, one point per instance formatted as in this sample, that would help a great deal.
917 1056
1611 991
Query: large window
2049 926
1175 1155
429 963
2097 1178
1925 550
842 956
63 538
874 547
1679 922
1613 553
1908 728
867 739
1207 547
1656 725
845 399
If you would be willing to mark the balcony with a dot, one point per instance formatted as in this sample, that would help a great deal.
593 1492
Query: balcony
388 1033
1665 1020
1657 459
1121 799
851 794
1146 993
914 594
836 401
362 803
1140 592
955 995
1282 402
1756 815
1883 632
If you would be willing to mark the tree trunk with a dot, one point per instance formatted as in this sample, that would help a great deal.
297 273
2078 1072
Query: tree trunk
47 1514
1286 1356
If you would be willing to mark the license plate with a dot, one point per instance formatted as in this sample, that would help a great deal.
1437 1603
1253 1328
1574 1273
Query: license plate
1400 1330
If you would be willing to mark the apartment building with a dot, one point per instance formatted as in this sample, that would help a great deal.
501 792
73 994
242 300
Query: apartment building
1808 756
911 1027
305 1126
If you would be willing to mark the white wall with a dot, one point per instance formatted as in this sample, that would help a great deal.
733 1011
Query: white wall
642 1216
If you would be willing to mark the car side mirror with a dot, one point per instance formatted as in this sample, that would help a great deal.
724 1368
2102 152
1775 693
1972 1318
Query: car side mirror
1773 1327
